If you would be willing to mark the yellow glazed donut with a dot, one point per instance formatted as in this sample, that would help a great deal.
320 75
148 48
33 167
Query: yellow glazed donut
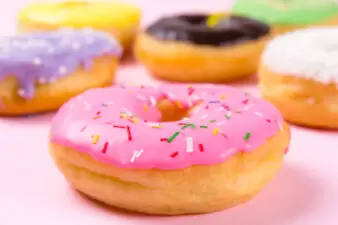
299 75
169 150
184 48
41 71
120 19
284 16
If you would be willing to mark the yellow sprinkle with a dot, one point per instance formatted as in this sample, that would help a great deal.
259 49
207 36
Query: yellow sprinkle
222 96
96 138
123 116
156 126
215 131
179 104
214 19
134 119
145 107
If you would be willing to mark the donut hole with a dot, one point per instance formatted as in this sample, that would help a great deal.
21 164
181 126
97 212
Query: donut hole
171 111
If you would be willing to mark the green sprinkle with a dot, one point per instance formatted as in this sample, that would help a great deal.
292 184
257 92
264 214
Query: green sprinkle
188 125
227 116
203 126
173 137
247 136
212 121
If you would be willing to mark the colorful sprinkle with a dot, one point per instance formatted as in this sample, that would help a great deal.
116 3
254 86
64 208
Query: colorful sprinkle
203 126
222 96
95 138
173 137
212 121
190 144
136 155
217 101
118 126
164 139
215 131
104 149
174 155
83 128
96 117
247 136
188 125
190 91
129 133
228 115
245 101
201 147
146 108
214 19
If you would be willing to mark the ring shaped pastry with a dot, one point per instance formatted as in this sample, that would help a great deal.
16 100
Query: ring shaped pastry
299 75
41 71
284 16
120 19
183 48
169 150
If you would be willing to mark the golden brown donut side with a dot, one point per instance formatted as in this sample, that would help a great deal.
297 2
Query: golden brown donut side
51 96
185 62
197 189
301 101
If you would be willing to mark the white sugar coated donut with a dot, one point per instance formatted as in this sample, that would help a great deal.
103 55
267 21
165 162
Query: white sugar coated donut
308 53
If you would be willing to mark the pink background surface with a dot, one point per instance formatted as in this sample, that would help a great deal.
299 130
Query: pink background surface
33 192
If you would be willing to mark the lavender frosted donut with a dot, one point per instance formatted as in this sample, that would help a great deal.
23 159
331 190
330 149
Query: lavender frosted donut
40 71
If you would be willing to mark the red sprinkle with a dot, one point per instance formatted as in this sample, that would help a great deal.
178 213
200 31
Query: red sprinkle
182 124
201 148
267 120
118 126
190 91
164 139
226 107
174 155
245 101
206 107
129 134
98 113
104 149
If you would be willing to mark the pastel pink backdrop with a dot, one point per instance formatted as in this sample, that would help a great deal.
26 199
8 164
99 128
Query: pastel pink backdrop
33 192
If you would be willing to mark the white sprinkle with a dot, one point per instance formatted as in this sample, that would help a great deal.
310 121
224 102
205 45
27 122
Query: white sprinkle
140 97
280 126
42 80
258 114
204 117
195 110
136 154
311 100
190 144
62 70
76 46
220 123
21 92
154 124
153 101
37 61
185 119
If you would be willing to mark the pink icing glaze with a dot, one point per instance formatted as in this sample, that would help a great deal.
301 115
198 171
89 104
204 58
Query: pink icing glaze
88 123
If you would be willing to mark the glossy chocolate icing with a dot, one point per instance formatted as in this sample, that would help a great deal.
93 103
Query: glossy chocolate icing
193 28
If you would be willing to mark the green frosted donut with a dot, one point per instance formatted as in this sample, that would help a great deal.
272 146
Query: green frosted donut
287 12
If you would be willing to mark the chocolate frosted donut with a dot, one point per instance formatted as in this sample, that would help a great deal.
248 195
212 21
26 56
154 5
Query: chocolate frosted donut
194 29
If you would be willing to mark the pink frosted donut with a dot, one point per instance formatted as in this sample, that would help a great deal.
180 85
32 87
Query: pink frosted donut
111 145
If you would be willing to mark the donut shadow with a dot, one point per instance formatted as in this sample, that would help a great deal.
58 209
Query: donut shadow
282 201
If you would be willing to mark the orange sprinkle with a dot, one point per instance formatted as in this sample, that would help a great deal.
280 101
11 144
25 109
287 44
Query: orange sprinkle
215 131
222 96
96 117
145 107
